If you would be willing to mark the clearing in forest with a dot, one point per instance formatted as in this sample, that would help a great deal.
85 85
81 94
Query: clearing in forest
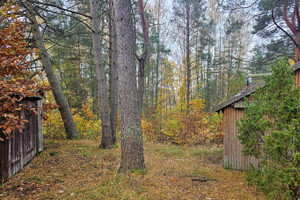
80 170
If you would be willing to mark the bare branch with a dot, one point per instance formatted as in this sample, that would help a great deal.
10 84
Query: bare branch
35 73
273 18
68 15
245 7
285 18
64 9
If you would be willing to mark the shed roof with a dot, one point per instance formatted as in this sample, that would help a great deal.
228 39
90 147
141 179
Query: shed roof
244 93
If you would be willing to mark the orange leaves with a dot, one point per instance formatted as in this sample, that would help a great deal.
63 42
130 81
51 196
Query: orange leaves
8 130
13 69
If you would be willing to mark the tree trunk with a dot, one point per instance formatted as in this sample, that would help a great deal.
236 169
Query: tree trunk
107 139
79 72
188 64
145 57
113 79
297 36
57 93
131 132
157 56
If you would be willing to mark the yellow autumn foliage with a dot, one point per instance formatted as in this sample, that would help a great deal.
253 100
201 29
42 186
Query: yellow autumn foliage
175 126
87 123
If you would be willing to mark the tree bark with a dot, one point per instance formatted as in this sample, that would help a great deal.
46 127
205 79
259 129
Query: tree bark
107 139
292 26
57 93
113 79
79 72
157 54
188 64
131 132
145 57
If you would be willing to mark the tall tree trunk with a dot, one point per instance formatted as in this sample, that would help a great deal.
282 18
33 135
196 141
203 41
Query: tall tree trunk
188 64
157 54
57 93
297 36
107 139
79 71
145 57
131 132
113 71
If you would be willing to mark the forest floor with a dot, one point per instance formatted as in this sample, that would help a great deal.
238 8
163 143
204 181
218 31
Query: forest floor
80 170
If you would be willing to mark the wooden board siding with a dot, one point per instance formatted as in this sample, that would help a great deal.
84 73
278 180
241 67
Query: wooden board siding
233 157
16 152
39 127
297 77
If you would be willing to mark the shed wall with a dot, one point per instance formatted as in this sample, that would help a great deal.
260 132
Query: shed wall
16 152
233 157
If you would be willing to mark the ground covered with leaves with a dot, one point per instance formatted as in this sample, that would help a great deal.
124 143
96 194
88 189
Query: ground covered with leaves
80 170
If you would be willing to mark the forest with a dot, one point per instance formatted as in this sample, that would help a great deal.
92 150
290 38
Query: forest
129 91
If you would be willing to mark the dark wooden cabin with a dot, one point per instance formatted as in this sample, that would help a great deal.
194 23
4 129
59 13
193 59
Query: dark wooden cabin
16 152
233 110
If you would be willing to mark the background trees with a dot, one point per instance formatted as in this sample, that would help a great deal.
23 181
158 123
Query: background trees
197 57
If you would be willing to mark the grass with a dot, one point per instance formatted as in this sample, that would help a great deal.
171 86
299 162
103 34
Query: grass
80 170
179 151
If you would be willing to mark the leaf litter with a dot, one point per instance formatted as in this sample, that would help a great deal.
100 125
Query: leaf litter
80 170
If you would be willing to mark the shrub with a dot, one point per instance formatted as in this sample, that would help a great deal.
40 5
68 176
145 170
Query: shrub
175 126
270 131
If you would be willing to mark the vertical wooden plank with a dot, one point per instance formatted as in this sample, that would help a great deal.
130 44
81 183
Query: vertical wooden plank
230 137
1 158
21 144
9 170
39 127
13 153
241 146
234 153
226 137
233 147
4 161
238 151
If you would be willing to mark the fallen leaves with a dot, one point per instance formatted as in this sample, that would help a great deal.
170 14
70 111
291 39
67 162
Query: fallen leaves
75 174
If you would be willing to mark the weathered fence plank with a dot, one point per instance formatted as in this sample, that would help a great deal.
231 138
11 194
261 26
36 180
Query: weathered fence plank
16 152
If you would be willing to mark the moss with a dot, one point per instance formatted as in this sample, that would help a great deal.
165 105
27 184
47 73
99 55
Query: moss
53 153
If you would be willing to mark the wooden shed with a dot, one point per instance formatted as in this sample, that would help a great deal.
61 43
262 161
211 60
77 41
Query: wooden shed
16 152
233 110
